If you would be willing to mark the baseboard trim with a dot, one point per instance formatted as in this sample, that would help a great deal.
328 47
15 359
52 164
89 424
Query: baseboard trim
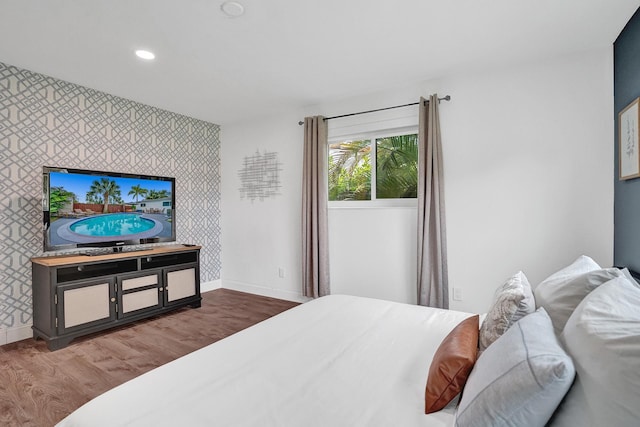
211 285
7 336
264 291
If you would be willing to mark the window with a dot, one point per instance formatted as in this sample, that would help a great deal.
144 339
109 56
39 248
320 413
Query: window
166 203
379 166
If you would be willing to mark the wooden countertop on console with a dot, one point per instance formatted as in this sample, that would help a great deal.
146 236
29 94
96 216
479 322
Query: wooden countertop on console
53 261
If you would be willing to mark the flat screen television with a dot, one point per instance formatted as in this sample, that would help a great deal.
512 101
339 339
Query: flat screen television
96 209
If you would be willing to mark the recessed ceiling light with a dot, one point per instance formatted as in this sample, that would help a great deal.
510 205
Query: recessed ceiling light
232 9
145 54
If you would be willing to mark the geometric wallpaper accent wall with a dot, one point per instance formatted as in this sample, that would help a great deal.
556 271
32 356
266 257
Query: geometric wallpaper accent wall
48 122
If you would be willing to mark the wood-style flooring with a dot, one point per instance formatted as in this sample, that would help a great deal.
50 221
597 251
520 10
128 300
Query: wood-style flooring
39 387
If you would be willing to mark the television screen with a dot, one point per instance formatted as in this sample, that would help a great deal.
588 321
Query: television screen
83 208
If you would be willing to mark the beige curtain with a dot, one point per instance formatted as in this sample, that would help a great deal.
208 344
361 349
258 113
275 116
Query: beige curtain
433 287
315 230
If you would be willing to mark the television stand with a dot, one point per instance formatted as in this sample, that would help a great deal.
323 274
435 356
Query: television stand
76 295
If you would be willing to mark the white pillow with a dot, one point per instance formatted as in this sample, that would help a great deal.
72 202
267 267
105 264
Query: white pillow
603 338
511 302
559 299
583 264
520 379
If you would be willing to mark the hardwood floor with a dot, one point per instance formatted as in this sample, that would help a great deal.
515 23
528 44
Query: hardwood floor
39 387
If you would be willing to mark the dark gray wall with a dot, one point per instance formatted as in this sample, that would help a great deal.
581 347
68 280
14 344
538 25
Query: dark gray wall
627 193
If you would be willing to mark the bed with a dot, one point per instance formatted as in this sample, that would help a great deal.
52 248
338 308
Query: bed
565 352
334 361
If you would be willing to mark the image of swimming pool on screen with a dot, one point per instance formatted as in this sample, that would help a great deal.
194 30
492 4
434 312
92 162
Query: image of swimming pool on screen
107 227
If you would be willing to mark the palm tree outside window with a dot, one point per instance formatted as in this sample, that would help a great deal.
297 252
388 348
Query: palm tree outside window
377 167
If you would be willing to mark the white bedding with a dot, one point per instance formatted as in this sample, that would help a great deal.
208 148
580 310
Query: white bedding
334 361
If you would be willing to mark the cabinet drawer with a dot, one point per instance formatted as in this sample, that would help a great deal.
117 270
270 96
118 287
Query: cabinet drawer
139 282
138 300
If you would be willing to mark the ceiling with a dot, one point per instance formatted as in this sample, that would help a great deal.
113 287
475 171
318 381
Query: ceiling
286 54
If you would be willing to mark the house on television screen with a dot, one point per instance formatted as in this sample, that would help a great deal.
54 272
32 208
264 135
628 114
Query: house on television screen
162 205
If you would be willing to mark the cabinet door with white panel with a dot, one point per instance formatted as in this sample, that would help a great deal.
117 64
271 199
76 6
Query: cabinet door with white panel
85 304
181 283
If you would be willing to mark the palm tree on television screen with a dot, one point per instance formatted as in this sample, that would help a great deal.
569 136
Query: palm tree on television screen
157 194
107 188
137 191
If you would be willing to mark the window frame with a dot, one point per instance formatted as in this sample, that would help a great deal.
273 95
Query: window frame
372 136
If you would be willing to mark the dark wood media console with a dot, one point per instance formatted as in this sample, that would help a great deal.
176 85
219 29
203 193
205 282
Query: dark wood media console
76 295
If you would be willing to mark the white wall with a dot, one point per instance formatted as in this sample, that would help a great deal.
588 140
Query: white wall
528 154
529 171
260 237
373 252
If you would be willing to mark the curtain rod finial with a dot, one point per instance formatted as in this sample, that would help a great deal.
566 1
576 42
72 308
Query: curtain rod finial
447 98
300 123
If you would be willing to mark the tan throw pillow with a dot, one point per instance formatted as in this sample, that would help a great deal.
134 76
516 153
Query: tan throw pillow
451 365
512 301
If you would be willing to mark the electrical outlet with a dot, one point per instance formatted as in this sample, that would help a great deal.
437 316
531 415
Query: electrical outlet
457 294
281 272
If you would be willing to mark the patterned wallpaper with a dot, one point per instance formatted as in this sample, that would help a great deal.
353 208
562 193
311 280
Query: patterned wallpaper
49 122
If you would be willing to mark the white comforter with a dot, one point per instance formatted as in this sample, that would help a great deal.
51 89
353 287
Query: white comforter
334 361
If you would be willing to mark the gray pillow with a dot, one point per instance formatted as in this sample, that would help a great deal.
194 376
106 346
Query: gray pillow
511 302
583 264
559 299
520 379
603 338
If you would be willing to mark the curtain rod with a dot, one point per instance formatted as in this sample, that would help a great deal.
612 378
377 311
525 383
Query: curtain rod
446 98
